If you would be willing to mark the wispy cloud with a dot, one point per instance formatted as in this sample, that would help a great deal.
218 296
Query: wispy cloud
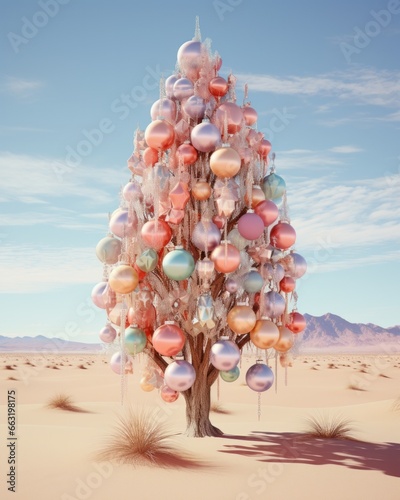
346 149
20 87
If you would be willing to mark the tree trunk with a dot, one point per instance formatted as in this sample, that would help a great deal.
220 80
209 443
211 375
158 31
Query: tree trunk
198 403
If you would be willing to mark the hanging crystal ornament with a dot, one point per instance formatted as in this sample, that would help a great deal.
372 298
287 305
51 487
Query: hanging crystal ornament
205 310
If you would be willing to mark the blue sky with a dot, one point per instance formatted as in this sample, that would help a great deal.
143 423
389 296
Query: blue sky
323 76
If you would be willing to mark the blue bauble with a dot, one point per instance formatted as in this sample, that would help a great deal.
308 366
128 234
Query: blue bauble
253 281
230 375
259 377
135 340
274 187
178 264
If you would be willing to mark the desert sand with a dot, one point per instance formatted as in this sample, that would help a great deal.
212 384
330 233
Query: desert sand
256 459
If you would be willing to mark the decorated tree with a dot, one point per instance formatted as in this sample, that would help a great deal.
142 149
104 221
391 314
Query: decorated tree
199 260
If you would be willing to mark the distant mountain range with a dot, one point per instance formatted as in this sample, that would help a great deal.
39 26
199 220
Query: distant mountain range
327 333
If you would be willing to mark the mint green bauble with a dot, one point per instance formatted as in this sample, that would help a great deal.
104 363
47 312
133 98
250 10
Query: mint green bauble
147 261
273 187
230 375
253 281
135 340
178 264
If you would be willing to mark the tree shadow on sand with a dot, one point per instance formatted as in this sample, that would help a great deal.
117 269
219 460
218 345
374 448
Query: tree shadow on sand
297 448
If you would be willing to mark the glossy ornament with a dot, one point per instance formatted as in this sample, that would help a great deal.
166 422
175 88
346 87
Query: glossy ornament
250 226
205 137
168 339
168 395
231 285
135 340
164 109
201 190
123 224
103 296
147 260
156 234
225 162
115 363
123 279
190 59
287 284
226 258
219 221
115 314
146 385
285 341
237 239
186 154
230 375
241 319
178 264
169 85
206 236
132 192
257 196
297 322
225 354
274 187
183 88
218 86
108 334
259 377
179 195
268 212
264 148
272 272
253 281
295 265
150 157
195 107
232 113
265 334
159 134
282 236
179 375
250 115
108 250
274 304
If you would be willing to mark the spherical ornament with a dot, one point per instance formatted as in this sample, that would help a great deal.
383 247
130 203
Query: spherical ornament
180 375
233 114
195 107
144 316
183 88
272 272
190 59
218 86
251 226
250 115
168 395
135 340
150 157
219 221
168 339
253 281
231 285
205 137
169 85
186 154
257 195
230 375
206 236
122 223
268 211
132 191
156 234
103 296
226 258
274 187
295 265
107 334
241 319
265 334
164 108
282 236
205 268
225 162
287 284
123 279
147 260
286 359
115 363
178 265
285 341
237 239
160 135
297 322
259 377
145 385
201 191
274 304
108 250
264 149
225 354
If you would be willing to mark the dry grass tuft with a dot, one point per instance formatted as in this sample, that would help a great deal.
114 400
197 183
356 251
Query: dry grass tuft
329 427
63 402
140 439
82 367
384 376
13 378
217 407
356 387
9 367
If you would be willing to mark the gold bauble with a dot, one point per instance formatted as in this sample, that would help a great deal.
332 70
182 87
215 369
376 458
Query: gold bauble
241 319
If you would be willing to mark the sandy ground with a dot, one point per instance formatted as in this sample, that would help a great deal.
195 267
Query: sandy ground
262 459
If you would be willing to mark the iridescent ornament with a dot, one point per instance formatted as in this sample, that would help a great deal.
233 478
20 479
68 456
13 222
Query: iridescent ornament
115 363
226 258
123 279
195 107
150 156
231 285
103 296
132 192
218 86
268 211
257 196
186 154
190 58
201 190
285 341
205 137
156 234
168 395
287 284
264 148
250 115
146 385
163 109
230 375
160 134
282 236
253 281
180 375
295 265
135 340
108 334
183 88
259 377
274 187
296 323
206 236
265 334
237 239
147 260
225 354
108 250
205 310
241 319
122 223
178 264
225 162
168 339
232 114
169 85
274 304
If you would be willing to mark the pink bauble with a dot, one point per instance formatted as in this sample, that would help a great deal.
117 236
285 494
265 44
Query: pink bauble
168 395
226 258
268 211
297 322
250 226
250 115
160 135
282 236
122 223
205 137
264 148
186 154
132 191
107 334
225 354
206 235
234 116
180 375
287 284
183 88
219 221
190 59
115 363
168 339
156 234
218 86
195 107
103 296
164 108
169 85
225 162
